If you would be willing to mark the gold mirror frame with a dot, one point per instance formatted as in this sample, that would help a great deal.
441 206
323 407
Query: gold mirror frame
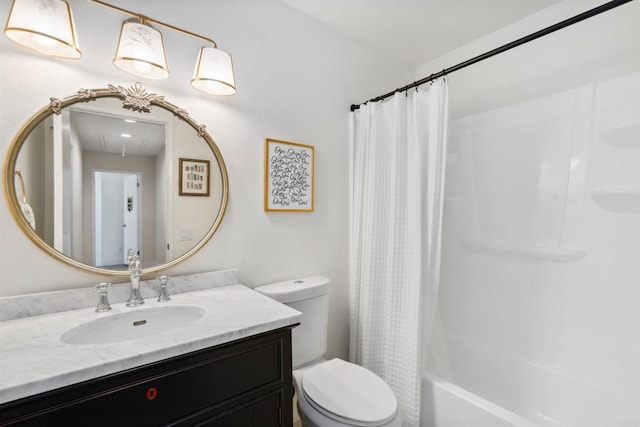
134 98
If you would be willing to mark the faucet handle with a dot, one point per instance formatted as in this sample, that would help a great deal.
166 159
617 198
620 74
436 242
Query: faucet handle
130 254
103 301
164 294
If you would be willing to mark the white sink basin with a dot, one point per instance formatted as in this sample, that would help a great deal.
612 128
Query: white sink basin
134 324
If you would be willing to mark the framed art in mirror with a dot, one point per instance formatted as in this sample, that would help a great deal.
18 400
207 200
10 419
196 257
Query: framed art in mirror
194 177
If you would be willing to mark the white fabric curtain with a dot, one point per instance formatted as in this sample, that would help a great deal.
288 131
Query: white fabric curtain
398 150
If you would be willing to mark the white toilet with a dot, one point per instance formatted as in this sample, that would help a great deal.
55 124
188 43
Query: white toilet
331 393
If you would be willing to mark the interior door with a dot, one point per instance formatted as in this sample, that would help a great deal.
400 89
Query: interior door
131 212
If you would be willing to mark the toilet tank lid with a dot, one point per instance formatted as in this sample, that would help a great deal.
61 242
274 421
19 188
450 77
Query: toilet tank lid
296 289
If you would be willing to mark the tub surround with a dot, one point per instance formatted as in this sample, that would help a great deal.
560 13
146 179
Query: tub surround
34 359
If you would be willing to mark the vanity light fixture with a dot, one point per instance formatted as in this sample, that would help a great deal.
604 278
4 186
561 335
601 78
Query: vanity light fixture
45 26
129 121
214 72
141 52
125 135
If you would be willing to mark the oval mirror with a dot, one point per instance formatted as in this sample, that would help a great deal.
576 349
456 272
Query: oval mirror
94 176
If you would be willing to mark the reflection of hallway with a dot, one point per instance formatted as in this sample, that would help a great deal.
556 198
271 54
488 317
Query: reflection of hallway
117 212
145 168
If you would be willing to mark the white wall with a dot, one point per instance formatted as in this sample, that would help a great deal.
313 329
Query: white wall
31 164
77 190
161 205
49 187
296 79
188 218
538 305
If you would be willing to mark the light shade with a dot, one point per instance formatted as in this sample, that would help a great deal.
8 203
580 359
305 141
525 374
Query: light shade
45 26
214 72
141 51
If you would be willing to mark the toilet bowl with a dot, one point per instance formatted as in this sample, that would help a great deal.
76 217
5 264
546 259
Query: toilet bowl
332 393
336 393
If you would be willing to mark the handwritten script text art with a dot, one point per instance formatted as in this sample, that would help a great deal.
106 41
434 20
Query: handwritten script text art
290 177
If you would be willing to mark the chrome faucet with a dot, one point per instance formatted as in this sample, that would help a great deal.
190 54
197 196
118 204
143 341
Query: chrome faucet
103 301
164 294
135 266
130 254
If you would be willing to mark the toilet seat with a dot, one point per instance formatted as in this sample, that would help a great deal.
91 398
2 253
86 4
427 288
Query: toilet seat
349 394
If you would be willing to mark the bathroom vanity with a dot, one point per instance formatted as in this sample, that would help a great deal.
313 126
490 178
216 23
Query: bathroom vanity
229 366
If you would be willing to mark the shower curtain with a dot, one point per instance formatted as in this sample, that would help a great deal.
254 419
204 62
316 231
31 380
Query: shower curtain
398 150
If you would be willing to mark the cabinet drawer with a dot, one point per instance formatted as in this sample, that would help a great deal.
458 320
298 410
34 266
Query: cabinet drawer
179 388
265 411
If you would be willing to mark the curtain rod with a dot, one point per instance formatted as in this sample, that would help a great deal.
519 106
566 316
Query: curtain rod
553 28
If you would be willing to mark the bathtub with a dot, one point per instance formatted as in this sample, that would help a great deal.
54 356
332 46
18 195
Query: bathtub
446 405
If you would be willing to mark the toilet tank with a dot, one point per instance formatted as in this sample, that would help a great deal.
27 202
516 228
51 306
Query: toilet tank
310 296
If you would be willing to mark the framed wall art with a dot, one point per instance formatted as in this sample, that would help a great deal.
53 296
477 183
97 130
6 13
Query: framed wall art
194 177
288 176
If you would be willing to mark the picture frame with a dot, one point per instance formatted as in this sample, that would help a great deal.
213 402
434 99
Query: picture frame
194 177
288 176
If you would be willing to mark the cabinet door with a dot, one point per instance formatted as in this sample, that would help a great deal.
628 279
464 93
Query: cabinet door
263 412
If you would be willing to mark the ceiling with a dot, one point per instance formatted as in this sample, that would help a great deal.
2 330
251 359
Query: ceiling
103 133
416 31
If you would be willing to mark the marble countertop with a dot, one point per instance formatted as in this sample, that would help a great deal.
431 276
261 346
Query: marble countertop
33 359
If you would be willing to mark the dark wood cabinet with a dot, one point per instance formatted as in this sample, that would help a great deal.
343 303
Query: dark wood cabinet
243 383
264 412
